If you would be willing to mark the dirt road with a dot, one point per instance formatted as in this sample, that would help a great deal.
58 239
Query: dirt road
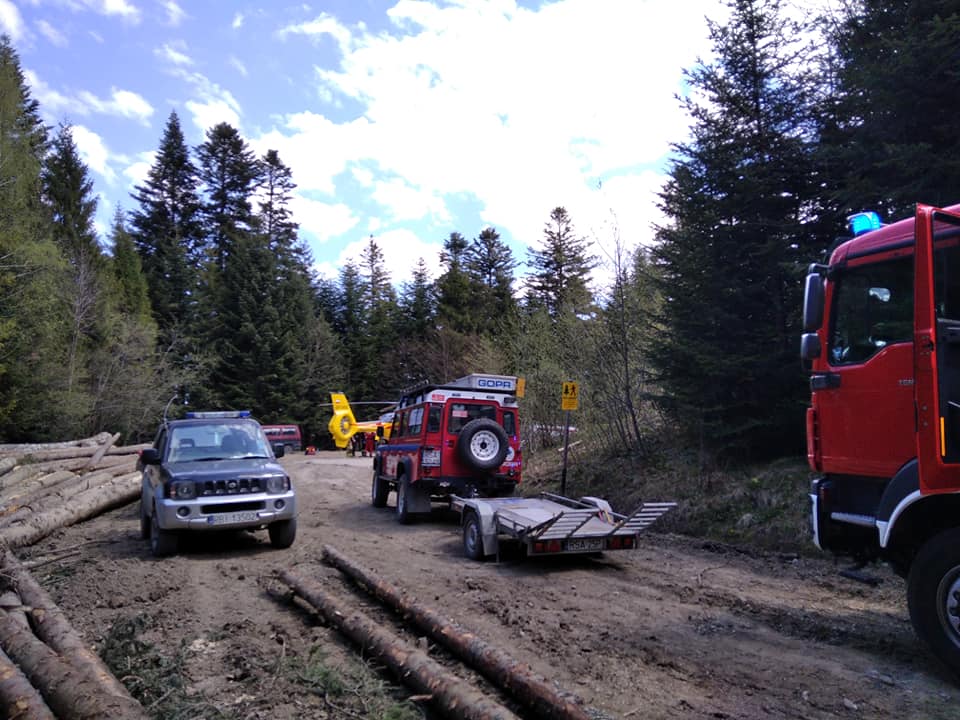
679 628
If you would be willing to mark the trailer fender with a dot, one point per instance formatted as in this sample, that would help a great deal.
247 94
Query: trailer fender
488 524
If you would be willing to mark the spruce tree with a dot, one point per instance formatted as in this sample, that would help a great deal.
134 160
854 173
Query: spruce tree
380 303
561 269
731 254
453 286
133 296
489 265
166 231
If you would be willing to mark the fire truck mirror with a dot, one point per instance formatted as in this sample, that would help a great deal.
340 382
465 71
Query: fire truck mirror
809 349
813 303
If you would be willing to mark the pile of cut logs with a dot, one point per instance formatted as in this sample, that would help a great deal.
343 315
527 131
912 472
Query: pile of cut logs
46 670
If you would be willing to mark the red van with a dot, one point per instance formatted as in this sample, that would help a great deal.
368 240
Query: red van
286 435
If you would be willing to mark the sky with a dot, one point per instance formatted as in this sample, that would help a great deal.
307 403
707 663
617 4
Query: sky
404 120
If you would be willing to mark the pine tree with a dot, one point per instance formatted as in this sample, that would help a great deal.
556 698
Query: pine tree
380 302
489 265
453 286
561 270
133 297
890 129
730 256
417 304
166 232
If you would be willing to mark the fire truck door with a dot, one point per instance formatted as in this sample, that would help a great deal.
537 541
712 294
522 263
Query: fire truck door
937 348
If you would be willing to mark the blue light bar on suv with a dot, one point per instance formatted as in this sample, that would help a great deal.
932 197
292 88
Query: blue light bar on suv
206 414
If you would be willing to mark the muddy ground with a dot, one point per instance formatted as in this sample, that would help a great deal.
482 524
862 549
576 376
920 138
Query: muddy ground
680 628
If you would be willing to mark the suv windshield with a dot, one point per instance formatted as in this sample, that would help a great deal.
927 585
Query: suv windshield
216 441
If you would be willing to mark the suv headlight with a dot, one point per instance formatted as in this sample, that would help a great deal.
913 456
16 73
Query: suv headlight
277 483
183 490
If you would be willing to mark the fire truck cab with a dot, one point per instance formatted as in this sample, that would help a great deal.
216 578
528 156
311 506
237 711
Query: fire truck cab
460 438
882 344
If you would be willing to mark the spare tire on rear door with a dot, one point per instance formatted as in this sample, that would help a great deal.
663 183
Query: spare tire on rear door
482 444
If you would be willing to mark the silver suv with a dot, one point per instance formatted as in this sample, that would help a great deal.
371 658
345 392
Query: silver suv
214 471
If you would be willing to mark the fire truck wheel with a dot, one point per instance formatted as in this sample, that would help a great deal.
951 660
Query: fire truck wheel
404 516
933 595
472 538
483 444
379 491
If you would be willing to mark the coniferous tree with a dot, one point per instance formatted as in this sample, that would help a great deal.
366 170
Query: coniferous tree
166 231
561 270
133 297
380 302
489 265
731 254
890 132
417 304
453 286
349 323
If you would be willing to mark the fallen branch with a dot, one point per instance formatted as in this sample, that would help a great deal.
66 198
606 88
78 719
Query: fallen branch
515 677
451 695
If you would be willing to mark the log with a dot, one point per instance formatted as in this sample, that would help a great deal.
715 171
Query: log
516 678
20 475
12 497
51 625
18 698
7 464
21 509
84 452
67 690
102 450
87 504
20 448
454 697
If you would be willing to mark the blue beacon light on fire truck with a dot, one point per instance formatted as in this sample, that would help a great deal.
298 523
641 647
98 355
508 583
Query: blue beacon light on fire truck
863 222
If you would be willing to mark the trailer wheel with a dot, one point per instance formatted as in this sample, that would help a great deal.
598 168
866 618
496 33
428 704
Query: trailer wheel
379 491
404 516
933 595
483 444
472 537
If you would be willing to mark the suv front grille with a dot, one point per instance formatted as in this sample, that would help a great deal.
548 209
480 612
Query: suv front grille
233 486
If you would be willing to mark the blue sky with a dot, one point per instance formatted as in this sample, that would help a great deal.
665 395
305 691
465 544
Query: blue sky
405 120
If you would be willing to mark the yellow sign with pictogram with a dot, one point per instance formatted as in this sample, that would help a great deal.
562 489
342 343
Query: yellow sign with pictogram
570 396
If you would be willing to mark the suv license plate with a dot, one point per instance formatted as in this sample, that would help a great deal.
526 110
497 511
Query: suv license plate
233 518
585 544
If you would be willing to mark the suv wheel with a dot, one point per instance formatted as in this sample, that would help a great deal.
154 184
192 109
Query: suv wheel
404 516
379 490
162 542
282 533
483 444
144 522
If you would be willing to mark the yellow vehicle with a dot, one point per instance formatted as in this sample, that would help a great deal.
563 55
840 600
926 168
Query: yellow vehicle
343 425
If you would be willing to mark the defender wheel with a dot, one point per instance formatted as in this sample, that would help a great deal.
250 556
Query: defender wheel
379 490
282 533
404 516
162 542
933 595
144 522
472 537
483 444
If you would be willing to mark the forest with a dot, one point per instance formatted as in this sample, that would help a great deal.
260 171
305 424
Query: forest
204 288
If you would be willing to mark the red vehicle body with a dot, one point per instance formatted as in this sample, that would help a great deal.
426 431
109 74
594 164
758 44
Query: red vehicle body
459 438
286 435
882 343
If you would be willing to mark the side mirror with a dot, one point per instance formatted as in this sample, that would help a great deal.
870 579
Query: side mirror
150 456
813 303
809 349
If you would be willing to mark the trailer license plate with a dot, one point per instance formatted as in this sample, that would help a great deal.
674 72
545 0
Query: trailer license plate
233 518
585 544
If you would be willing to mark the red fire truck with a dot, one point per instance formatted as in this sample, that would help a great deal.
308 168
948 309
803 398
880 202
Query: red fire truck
882 344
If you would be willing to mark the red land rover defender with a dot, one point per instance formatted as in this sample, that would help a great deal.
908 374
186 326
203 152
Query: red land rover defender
461 438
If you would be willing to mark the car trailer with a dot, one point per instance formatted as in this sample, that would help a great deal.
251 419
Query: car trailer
551 524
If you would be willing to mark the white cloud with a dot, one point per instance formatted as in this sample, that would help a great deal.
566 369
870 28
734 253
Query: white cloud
11 21
402 250
174 53
93 152
51 101
238 65
237 21
322 220
211 104
573 105
175 13
137 171
122 103
124 9
54 36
